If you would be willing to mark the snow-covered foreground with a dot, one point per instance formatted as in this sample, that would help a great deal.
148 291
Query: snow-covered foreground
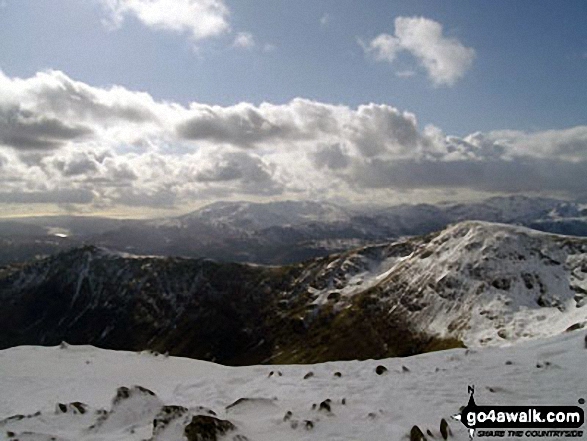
419 390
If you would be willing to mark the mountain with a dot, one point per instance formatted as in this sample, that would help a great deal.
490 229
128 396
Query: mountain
276 233
473 283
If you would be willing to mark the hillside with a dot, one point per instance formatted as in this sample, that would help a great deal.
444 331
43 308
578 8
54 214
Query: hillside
474 283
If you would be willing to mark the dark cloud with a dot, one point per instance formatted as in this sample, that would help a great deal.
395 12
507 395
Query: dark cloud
72 99
24 130
133 197
76 166
516 175
249 172
243 128
378 129
60 196
331 156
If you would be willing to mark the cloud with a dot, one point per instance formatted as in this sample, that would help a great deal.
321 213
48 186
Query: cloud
249 172
445 59
244 40
268 47
112 147
325 19
405 74
384 47
199 18
242 125
331 156
24 129
515 176
61 196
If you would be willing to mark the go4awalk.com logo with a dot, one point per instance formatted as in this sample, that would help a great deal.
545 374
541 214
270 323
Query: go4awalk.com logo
522 421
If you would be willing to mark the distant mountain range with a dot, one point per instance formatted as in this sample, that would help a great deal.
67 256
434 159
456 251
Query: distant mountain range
276 232
473 283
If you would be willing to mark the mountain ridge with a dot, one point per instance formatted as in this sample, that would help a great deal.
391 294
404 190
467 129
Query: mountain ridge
276 233
473 283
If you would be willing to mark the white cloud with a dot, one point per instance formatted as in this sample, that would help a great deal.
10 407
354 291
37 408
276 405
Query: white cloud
445 59
244 40
66 142
384 47
268 47
405 73
325 19
199 18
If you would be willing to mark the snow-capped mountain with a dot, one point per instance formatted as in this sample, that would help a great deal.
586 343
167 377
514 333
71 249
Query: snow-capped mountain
473 283
276 233
81 393
253 216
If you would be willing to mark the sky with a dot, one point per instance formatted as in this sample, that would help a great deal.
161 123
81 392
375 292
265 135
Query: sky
143 108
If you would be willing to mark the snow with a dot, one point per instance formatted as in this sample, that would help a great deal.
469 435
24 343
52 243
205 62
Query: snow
474 258
483 283
541 372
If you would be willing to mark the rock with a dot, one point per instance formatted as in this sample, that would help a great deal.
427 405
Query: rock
416 434
337 374
503 284
575 327
444 429
75 408
380 370
405 369
265 402
334 296
343 402
309 425
207 428
123 393
429 433
165 416
287 416
308 375
325 405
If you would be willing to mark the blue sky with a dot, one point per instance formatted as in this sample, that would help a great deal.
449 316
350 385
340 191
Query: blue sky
529 73
522 69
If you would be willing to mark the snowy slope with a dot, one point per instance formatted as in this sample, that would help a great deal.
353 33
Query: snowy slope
480 282
377 407
492 283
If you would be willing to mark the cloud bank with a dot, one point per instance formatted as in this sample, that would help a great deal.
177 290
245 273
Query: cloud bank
66 142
